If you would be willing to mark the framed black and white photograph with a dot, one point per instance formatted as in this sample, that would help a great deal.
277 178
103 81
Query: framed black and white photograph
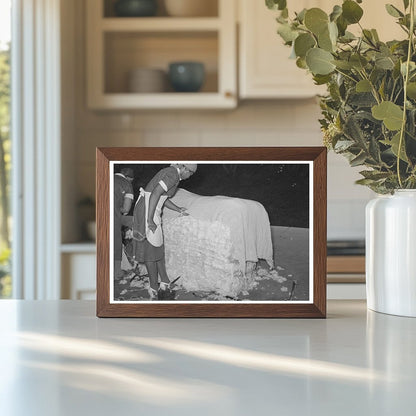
211 232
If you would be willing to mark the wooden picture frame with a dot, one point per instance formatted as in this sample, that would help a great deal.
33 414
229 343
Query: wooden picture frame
285 159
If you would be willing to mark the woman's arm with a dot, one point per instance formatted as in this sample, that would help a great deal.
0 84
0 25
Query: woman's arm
169 204
127 202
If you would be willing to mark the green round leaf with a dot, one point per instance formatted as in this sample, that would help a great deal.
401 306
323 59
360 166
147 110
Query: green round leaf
344 65
393 11
316 20
394 143
347 37
342 25
325 42
322 79
301 15
336 12
358 61
319 61
384 62
368 37
303 43
391 114
411 90
363 86
301 63
375 35
287 33
351 11
403 66
276 4
333 32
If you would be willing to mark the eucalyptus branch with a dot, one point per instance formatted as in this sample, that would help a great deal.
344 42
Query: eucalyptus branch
342 49
406 79
346 75
392 91
373 88
358 45
404 28
397 95
361 59
369 41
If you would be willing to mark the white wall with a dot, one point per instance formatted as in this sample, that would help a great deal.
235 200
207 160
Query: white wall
253 123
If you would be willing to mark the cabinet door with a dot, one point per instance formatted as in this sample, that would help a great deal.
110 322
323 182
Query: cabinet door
266 71
78 276
265 68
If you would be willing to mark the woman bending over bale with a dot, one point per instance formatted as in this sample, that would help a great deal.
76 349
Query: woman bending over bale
147 222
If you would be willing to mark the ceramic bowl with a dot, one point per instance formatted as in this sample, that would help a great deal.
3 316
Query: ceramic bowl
186 76
147 80
135 8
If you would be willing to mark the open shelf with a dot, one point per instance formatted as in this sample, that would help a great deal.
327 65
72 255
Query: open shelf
127 51
116 46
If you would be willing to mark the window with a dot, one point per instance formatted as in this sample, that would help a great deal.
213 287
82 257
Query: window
5 147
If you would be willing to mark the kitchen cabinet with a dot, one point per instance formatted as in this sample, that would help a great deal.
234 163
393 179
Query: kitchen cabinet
78 271
342 269
265 70
118 45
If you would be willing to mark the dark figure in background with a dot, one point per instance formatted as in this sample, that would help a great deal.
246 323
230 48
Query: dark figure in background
123 200
147 222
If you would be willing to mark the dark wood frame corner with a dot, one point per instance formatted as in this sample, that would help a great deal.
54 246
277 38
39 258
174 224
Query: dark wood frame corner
317 309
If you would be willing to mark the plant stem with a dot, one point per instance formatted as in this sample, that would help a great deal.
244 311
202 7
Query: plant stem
392 91
405 81
346 75
397 95
373 88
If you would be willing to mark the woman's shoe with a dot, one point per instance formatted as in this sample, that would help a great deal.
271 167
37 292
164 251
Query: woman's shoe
152 293
164 286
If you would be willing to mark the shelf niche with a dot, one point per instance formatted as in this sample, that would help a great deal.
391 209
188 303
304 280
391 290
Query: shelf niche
126 51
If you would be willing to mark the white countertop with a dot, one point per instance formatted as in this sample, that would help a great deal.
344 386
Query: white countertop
57 358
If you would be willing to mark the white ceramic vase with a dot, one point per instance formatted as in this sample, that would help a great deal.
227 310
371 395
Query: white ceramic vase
391 253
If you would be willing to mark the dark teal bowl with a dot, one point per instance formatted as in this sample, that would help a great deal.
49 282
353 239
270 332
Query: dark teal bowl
135 8
186 76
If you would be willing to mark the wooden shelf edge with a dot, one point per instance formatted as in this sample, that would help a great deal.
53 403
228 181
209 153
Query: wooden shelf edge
346 264
345 278
126 101
160 24
80 247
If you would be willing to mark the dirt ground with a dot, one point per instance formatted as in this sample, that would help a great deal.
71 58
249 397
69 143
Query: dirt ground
288 281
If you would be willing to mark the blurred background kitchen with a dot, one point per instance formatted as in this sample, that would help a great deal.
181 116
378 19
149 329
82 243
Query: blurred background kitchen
171 73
